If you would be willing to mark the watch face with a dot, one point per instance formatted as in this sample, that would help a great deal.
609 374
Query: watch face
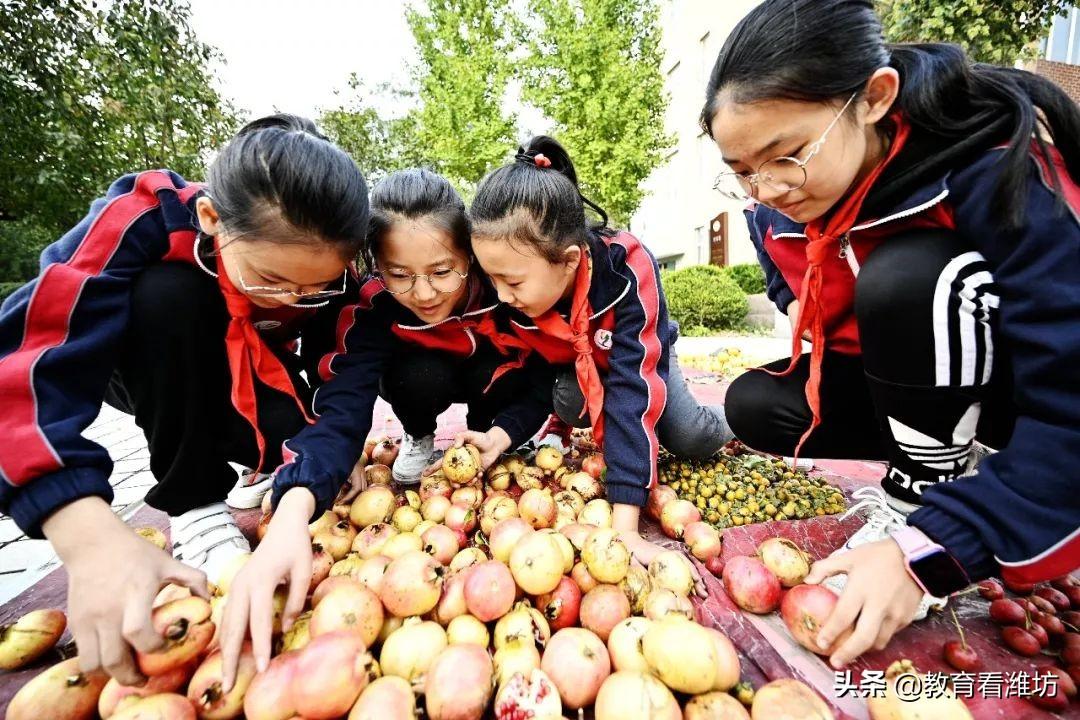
940 573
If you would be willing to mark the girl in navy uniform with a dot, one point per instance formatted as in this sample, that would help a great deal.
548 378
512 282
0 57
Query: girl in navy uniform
588 300
424 332
917 218
180 303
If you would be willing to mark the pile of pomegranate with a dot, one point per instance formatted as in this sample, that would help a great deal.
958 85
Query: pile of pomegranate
503 594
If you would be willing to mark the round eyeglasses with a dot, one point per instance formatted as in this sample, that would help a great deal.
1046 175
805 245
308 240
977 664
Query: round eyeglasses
443 280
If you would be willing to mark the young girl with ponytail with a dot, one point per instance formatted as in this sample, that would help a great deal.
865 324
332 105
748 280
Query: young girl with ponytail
917 217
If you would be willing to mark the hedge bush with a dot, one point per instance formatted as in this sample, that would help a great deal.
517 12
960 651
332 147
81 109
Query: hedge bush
749 276
704 295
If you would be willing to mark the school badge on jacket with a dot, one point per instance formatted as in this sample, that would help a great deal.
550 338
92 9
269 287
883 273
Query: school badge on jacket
602 338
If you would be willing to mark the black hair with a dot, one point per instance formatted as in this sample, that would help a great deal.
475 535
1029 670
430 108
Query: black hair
280 176
825 50
539 203
414 194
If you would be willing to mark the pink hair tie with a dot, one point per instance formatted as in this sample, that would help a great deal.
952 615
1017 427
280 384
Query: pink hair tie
542 161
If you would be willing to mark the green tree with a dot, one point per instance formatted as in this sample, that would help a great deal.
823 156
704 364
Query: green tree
462 78
594 70
990 30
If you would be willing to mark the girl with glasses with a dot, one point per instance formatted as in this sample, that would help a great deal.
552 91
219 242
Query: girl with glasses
423 333
917 218
180 303
588 300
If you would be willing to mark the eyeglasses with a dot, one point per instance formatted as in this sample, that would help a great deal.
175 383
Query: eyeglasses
443 281
263 291
782 174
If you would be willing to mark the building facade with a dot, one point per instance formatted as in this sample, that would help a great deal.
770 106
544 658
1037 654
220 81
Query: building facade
682 219
1059 59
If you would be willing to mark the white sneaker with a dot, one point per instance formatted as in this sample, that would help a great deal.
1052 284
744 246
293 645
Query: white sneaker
249 490
415 455
886 515
207 539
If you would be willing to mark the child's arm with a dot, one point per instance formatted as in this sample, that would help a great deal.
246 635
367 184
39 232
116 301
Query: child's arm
776 287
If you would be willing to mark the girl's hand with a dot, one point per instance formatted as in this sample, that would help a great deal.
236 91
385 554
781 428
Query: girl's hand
625 519
357 482
491 444
283 555
879 599
793 318
109 603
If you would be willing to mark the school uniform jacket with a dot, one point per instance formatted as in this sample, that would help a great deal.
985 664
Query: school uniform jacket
1020 514
58 334
631 338
370 333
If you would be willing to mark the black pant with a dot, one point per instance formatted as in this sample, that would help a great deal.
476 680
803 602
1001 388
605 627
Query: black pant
420 384
933 373
172 374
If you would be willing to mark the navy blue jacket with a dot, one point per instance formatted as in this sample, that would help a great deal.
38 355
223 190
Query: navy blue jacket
1020 514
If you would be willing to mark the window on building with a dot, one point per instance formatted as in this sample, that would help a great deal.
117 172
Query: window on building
1063 41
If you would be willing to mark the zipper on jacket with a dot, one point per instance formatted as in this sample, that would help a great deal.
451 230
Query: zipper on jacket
846 253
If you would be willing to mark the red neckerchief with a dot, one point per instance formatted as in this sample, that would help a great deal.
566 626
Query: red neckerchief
576 333
823 238
250 357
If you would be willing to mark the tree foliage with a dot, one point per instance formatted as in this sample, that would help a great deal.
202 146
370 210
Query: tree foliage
593 68
992 31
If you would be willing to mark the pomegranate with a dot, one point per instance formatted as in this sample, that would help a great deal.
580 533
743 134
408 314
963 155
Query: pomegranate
390 624
495 510
30 637
441 543
163 706
682 654
788 699
578 663
489 590
629 695
467 629
374 505
422 527
624 645
462 538
409 650
321 562
596 512
565 547
530 695
594 464
916 699
522 624
378 475
636 586
350 607
460 517
727 661
580 575
703 540
805 608
659 496
714 706
452 602
585 485
561 605
661 602
220 586
537 507
337 540
562 519
514 464
458 683
751 585
471 496
343 666
61 691
461 464
388 698
670 569
412 584
186 626
529 478
435 486
299 634
269 696
400 544
536 563
505 535
467 558
676 515
605 556
577 534
785 559
369 542
516 658
548 459
114 692
371 571
602 608
324 522
205 690
349 566
498 476
715 565
569 502
434 508
385 452
405 519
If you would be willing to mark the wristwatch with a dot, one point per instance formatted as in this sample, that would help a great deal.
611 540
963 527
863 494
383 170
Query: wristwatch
930 565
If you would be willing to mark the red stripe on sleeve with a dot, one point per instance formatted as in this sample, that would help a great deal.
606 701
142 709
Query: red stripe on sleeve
1061 559
26 453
